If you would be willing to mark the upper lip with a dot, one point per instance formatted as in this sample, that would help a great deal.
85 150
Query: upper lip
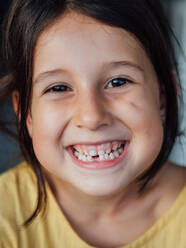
96 142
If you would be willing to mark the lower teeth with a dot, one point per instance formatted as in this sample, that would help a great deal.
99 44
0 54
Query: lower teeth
102 157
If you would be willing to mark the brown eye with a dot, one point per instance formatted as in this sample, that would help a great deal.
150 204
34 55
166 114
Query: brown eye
118 82
58 88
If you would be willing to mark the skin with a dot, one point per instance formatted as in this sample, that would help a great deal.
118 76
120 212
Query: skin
80 53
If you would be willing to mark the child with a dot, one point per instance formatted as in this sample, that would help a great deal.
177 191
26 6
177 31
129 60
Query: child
96 101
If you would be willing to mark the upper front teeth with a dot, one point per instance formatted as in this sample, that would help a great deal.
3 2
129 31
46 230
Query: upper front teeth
94 150
93 153
101 152
102 155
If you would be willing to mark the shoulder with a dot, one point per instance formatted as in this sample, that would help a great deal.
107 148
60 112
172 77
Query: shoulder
17 180
176 195
13 173
173 179
177 173
171 187
174 174
18 194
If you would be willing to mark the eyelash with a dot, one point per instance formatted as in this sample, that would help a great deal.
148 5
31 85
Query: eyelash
64 88
125 80
58 88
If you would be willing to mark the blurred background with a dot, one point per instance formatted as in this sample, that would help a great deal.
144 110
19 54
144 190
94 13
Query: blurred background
176 9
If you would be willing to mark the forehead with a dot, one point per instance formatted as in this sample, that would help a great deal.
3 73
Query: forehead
75 38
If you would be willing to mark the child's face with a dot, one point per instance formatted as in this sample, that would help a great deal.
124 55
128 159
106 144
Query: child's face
78 58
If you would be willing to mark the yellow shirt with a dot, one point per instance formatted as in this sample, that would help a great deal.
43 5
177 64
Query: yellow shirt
18 196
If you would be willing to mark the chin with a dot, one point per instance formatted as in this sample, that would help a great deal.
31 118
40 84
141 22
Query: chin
103 189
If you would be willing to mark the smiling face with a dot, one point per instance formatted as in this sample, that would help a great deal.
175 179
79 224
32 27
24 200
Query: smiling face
95 113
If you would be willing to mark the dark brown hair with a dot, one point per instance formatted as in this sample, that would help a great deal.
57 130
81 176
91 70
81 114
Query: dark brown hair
145 19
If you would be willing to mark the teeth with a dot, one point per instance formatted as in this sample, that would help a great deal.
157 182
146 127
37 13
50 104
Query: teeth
101 152
111 156
89 158
92 150
115 146
80 156
84 158
103 155
106 156
93 153
116 154
108 150
120 150
76 153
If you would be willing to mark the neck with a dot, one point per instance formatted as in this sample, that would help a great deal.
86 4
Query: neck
75 202
96 217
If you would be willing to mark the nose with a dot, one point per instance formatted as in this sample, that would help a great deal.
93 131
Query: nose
92 112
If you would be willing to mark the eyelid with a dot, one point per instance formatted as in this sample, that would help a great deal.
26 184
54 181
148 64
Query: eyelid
47 90
119 77
54 85
122 77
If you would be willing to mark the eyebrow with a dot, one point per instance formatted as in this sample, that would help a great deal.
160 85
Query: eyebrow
55 72
126 63
44 75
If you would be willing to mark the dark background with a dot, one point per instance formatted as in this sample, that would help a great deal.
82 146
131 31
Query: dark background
9 149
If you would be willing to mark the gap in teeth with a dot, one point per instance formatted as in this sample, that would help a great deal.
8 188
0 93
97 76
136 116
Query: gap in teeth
103 156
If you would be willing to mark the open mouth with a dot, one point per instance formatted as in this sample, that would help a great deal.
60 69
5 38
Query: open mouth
92 155
102 156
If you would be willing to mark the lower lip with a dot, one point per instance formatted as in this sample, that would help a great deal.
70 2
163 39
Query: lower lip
99 165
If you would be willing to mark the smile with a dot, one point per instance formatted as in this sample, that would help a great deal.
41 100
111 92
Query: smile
99 156
107 151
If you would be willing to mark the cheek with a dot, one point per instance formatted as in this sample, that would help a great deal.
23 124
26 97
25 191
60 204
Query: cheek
139 107
48 124
141 114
